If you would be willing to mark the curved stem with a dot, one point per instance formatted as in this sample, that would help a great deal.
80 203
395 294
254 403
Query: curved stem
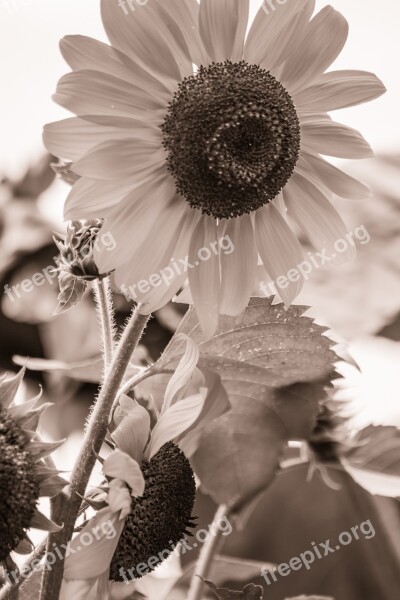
208 551
105 311
67 504
136 379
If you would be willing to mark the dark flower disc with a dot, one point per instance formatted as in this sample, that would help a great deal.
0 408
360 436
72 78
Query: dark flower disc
160 518
19 485
232 137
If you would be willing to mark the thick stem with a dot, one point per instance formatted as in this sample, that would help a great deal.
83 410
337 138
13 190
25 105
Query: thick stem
105 311
66 506
208 551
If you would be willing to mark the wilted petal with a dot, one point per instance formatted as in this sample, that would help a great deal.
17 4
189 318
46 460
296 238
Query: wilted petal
119 498
175 421
183 372
92 561
120 465
133 432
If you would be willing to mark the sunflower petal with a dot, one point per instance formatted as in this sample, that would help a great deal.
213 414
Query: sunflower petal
133 432
238 267
143 36
183 372
120 465
172 281
85 53
340 89
90 198
137 214
119 498
318 170
324 39
84 589
175 421
86 562
72 138
96 93
223 27
334 139
204 279
273 32
315 215
113 159
279 249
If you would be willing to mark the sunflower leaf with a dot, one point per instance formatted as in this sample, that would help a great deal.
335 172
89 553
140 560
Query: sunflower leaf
375 462
275 365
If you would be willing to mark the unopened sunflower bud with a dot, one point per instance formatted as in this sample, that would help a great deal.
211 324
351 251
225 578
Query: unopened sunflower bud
76 266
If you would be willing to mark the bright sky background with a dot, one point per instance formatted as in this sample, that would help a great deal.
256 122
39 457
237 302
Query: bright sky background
31 65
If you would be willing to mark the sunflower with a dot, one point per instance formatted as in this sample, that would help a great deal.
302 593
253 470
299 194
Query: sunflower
150 488
187 131
24 475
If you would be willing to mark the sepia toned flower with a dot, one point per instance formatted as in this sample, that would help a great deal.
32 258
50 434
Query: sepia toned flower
187 131
24 476
151 485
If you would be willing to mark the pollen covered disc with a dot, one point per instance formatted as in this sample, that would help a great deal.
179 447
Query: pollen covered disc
232 137
160 518
19 485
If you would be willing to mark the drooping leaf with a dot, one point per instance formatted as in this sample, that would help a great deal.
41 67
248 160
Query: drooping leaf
275 365
375 462
239 454
249 592
85 370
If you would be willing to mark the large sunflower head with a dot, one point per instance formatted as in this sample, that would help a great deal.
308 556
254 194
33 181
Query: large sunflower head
189 133
24 476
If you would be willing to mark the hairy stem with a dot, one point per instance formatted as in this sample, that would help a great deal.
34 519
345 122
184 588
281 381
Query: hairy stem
66 505
105 311
208 551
